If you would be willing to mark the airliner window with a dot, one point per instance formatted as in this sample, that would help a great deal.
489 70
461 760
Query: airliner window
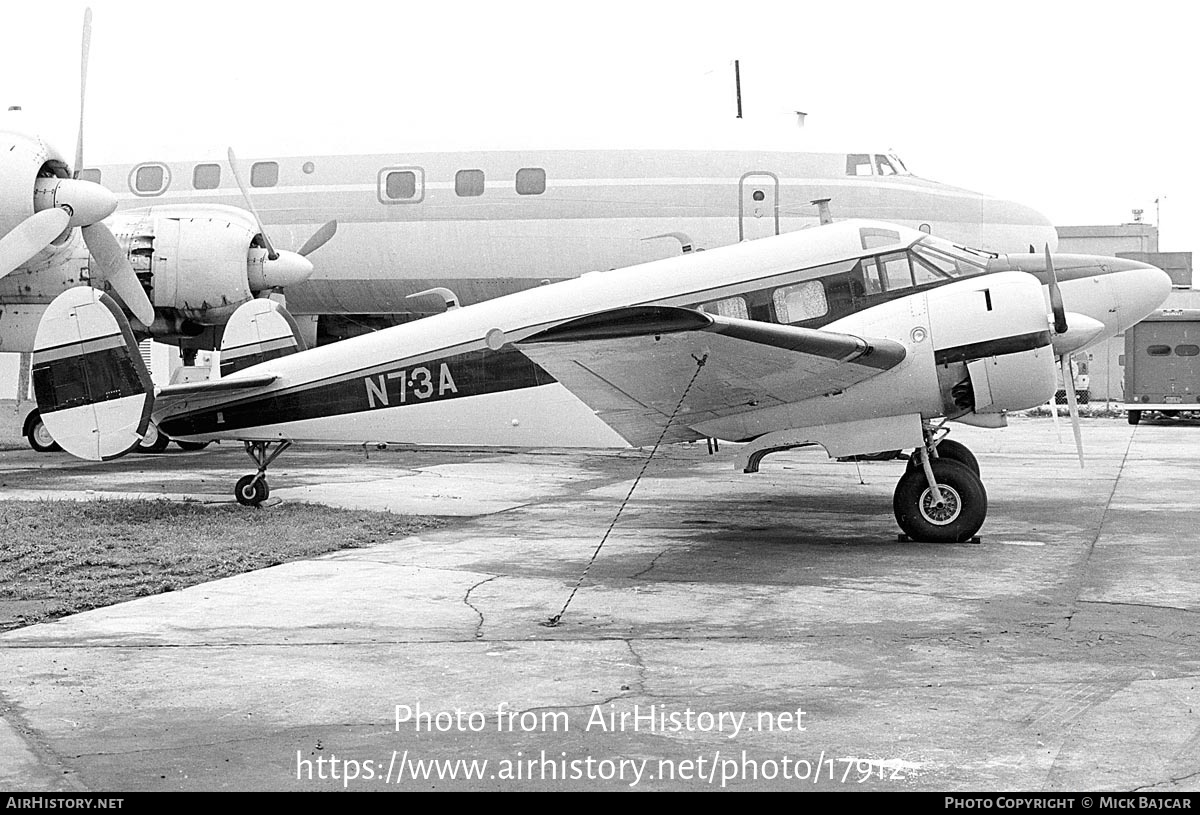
206 176
858 164
468 183
1187 350
901 168
264 174
531 181
150 179
1159 350
401 184
729 307
804 301
896 271
885 166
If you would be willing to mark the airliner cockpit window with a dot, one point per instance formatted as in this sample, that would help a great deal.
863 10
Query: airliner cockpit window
948 258
898 164
858 164
885 166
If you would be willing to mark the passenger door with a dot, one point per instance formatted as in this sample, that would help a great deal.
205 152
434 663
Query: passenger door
758 207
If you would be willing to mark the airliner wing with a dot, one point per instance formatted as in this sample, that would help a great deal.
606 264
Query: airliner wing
632 365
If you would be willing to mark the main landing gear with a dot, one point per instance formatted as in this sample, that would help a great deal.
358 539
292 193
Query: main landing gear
940 497
252 490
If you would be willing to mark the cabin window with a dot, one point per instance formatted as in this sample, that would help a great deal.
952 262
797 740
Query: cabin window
895 271
1159 350
729 307
401 185
885 167
468 183
1188 350
150 179
804 301
858 164
206 176
264 174
91 175
530 181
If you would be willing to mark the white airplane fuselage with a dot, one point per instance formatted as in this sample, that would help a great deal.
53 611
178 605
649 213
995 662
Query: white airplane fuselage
485 224
464 378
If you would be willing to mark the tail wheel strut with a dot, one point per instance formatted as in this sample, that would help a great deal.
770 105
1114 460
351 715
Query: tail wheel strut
251 490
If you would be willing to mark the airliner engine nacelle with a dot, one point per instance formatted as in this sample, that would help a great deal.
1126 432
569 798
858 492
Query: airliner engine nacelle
201 263
34 178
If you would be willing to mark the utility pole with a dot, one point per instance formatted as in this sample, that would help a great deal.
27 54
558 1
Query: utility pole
737 82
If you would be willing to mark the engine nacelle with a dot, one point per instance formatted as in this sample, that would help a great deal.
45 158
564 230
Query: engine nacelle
193 259
992 344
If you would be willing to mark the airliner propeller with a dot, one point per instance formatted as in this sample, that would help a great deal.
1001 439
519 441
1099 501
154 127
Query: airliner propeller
279 268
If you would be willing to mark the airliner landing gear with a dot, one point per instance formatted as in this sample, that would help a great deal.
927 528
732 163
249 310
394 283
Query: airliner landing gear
942 499
252 490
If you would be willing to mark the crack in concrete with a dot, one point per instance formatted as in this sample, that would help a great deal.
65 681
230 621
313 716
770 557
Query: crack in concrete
467 602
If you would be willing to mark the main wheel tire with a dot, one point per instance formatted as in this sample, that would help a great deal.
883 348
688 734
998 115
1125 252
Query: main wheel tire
192 446
1134 416
39 437
957 519
251 490
153 441
950 450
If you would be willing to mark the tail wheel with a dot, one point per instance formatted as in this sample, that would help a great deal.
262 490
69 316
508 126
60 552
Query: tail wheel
956 518
951 451
153 441
251 490
39 437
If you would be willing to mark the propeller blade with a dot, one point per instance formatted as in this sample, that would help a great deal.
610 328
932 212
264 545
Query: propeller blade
319 238
1072 405
271 253
1056 301
113 267
85 50
30 237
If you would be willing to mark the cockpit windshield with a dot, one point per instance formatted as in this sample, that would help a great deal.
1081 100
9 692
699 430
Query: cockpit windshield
949 258
885 164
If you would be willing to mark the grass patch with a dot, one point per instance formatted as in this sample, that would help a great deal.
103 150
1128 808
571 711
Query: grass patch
61 557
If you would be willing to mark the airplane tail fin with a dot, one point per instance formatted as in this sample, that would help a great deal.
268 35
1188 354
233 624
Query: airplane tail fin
93 391
260 330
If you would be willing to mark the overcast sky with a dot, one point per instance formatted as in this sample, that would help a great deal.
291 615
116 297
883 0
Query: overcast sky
1083 110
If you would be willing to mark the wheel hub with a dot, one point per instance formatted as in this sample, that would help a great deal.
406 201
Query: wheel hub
941 513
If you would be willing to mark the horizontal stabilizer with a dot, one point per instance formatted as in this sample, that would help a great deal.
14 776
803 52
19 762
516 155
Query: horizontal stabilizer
93 390
233 383
633 365
260 330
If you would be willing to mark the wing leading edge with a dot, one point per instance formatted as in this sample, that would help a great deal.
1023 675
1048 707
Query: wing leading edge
632 365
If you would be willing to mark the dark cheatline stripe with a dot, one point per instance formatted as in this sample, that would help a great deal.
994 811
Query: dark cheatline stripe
237 363
992 348
452 377
85 379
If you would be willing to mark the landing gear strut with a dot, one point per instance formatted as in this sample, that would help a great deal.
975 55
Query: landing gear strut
940 497
252 490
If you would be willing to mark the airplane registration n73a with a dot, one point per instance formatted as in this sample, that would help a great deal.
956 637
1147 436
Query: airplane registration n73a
858 336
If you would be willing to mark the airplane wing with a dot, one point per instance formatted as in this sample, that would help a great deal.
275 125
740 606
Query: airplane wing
631 366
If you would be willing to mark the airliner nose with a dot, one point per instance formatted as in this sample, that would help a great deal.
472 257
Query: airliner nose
1138 291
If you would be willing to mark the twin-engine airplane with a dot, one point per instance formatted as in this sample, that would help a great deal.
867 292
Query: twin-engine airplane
858 336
